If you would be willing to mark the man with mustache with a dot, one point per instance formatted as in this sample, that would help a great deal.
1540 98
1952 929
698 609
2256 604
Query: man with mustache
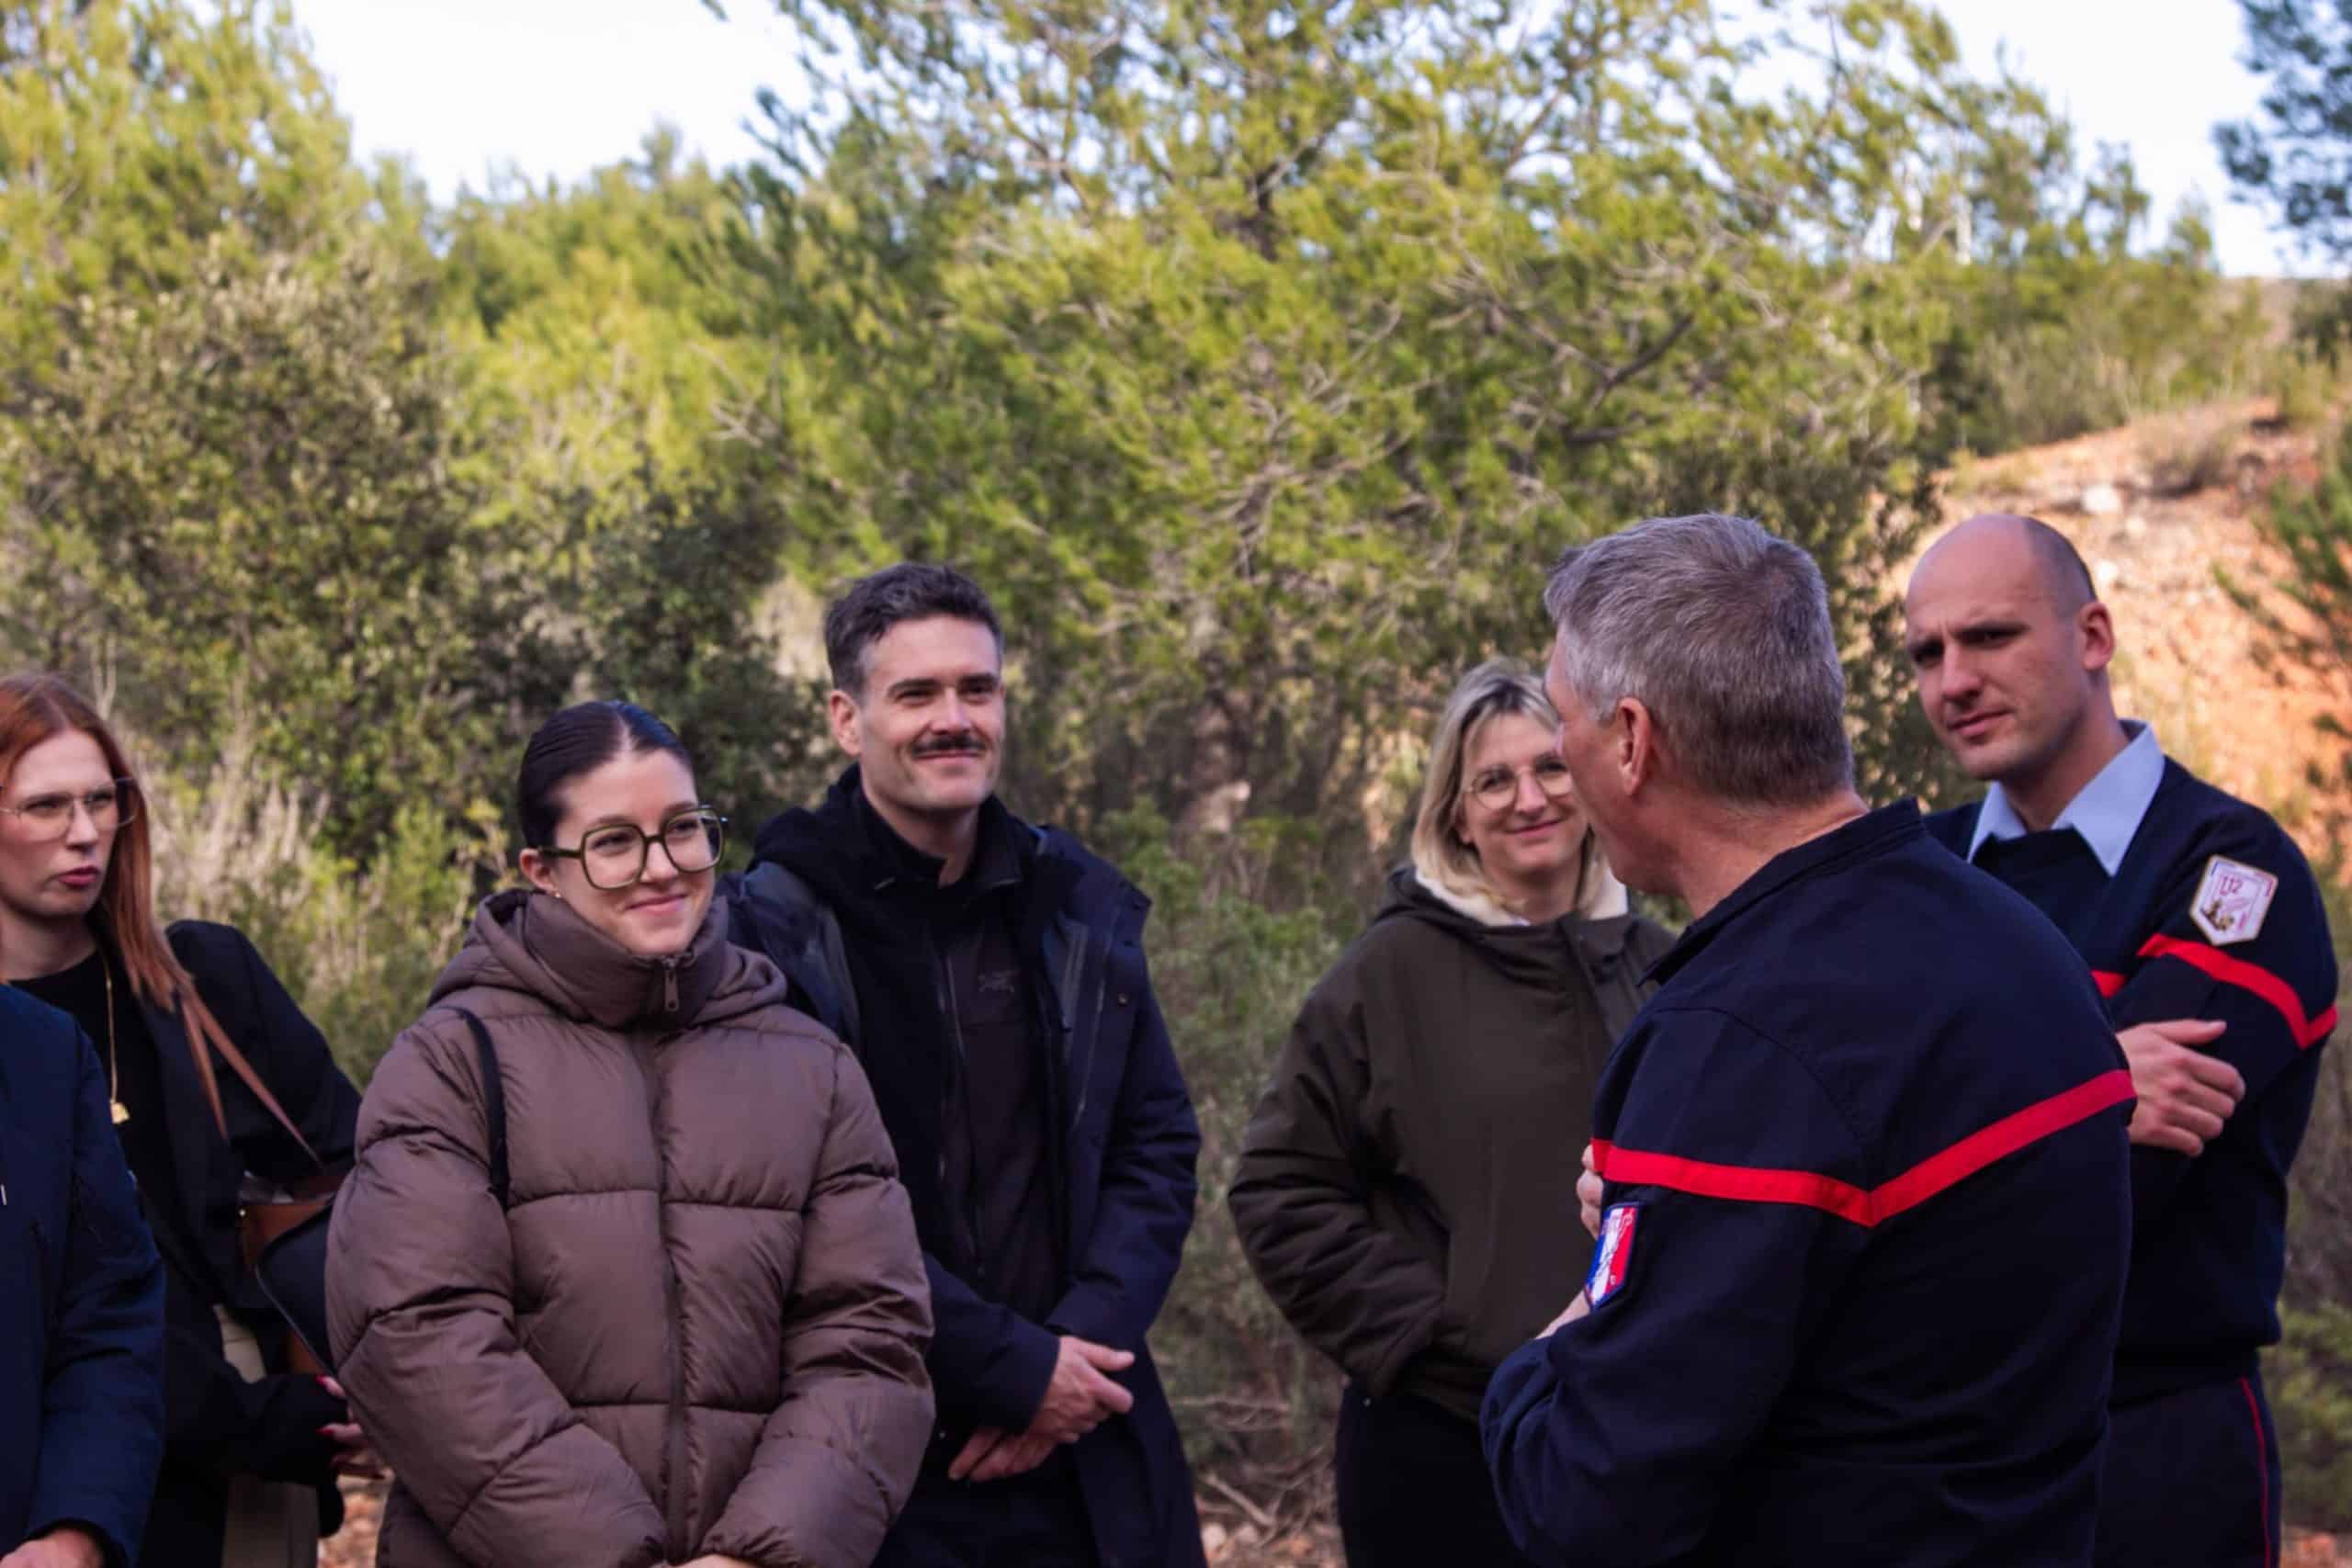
2205 932
990 977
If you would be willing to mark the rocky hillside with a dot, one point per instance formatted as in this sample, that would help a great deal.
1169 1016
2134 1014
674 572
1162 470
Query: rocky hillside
2158 509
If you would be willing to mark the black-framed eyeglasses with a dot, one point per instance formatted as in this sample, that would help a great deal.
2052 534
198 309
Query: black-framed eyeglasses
1497 787
48 817
615 856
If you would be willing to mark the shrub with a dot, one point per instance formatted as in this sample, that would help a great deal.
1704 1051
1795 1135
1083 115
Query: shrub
2305 388
1231 970
358 947
2309 1378
2183 454
2309 1375
2319 1229
2060 344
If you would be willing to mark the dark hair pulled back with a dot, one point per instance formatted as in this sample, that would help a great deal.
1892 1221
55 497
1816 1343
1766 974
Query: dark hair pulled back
580 740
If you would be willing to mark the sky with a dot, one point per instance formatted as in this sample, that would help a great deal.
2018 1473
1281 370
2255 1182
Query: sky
558 87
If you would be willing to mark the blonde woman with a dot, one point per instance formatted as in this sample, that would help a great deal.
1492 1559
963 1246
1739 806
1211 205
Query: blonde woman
1407 1189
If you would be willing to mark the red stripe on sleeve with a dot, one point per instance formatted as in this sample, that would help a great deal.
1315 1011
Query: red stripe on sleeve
1753 1184
2108 981
1756 1184
2307 1031
1998 1141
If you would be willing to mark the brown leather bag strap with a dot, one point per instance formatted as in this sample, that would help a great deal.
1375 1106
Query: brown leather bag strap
204 1037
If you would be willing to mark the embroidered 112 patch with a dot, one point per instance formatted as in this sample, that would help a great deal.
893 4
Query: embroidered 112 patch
2231 901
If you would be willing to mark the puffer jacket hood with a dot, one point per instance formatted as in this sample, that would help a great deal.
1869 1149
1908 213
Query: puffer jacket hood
527 942
696 1326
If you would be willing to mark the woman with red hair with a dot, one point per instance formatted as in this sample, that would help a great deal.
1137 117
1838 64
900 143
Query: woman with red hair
222 1092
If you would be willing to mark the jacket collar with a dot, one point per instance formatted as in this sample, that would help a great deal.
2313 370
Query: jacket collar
1532 953
1470 904
1872 833
848 854
2105 813
1606 908
998 861
525 940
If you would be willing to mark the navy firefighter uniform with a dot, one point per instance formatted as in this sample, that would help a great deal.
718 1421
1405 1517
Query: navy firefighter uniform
2187 903
1866 1221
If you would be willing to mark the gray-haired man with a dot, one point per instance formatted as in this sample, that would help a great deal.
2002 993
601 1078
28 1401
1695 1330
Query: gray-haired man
1864 1218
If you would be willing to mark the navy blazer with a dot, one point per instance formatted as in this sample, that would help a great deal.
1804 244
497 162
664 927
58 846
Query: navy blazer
82 1311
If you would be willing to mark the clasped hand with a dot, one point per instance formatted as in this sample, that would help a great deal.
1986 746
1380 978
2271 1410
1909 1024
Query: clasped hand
1082 1396
2185 1095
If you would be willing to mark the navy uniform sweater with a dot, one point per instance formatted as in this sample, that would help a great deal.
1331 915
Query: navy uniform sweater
1866 1229
2212 914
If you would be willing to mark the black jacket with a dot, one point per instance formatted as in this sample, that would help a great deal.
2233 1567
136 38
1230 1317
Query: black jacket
1406 1187
218 1425
81 1315
1126 1140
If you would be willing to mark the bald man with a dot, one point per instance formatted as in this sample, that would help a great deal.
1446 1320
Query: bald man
2204 930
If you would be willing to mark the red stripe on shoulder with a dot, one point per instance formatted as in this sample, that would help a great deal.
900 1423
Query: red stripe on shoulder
2003 1138
1758 1184
2307 1031
2108 981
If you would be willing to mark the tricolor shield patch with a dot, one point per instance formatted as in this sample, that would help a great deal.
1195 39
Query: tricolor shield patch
1614 1253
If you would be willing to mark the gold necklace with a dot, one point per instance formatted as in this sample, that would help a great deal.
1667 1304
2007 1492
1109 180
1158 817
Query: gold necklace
114 1063
115 1106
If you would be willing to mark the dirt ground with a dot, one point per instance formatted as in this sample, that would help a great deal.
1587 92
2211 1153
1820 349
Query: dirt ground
1232 1538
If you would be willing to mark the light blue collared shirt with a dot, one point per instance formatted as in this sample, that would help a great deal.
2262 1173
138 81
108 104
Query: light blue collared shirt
2105 812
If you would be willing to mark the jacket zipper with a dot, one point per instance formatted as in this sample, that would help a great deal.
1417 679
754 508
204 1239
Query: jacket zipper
673 1461
670 985
957 1093
1067 1006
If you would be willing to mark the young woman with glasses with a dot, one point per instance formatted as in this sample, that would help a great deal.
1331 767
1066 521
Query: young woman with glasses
625 1275
180 1018
1406 1187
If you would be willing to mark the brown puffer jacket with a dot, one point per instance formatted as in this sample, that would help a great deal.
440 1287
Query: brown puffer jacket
699 1325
